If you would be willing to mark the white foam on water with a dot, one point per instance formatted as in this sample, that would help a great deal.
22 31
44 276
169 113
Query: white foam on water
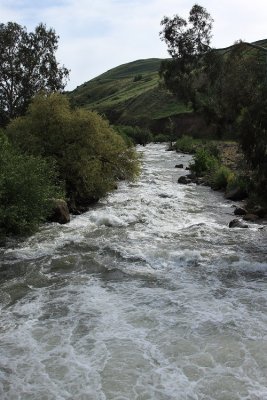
154 297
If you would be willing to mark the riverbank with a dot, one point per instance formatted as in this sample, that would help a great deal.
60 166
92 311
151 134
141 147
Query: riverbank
221 165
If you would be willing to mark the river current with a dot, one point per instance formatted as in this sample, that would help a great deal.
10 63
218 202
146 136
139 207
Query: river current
147 296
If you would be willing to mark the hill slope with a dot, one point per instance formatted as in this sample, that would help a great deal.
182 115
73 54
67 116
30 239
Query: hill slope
128 94
131 94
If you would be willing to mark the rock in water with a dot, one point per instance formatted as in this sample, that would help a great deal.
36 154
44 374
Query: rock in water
60 212
240 211
236 223
184 180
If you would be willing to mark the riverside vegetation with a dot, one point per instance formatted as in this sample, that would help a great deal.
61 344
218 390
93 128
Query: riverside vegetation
49 150
56 145
55 151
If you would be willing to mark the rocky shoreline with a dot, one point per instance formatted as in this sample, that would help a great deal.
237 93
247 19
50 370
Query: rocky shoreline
232 158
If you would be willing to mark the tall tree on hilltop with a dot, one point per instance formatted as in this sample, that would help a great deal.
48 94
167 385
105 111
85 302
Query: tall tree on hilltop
27 66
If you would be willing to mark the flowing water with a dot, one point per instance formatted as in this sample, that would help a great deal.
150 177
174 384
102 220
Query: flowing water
149 295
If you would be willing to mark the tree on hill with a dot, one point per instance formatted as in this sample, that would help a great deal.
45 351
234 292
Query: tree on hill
27 66
90 156
228 86
187 41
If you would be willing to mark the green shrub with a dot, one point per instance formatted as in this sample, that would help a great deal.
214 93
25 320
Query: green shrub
137 78
185 144
220 177
161 138
203 162
212 149
238 181
89 154
26 190
136 134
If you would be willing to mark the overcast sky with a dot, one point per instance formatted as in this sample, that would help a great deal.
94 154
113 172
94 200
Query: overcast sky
97 35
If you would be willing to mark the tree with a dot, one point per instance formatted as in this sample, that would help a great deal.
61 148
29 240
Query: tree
227 86
187 41
27 66
232 79
90 156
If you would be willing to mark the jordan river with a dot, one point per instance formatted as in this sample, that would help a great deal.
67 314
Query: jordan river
147 296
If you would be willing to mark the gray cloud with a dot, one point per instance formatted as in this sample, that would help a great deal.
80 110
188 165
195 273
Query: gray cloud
98 35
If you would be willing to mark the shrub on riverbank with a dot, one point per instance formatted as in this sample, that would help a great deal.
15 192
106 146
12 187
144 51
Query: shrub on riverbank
27 185
204 162
136 134
88 153
185 144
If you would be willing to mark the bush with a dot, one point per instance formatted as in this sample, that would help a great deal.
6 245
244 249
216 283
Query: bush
238 181
161 138
220 177
137 78
137 135
90 156
185 144
26 190
203 162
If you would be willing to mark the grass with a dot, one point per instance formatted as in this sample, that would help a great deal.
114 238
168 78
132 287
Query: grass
131 92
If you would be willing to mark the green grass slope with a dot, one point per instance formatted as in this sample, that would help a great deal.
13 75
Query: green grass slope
131 94
128 94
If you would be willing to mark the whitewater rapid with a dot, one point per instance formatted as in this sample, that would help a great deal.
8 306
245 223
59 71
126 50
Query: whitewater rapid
148 295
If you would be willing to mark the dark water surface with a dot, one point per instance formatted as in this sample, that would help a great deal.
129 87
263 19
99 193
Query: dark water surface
149 295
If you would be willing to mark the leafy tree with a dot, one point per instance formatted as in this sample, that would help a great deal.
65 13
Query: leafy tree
27 65
186 41
27 186
228 86
232 79
252 124
90 156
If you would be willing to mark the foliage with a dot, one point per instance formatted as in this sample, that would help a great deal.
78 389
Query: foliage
227 86
239 181
137 78
161 138
137 135
27 65
27 186
220 177
253 139
90 156
186 144
203 162
187 41
124 102
231 81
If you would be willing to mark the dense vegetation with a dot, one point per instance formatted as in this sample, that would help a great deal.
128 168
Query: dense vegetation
228 87
27 186
89 155
27 65
49 150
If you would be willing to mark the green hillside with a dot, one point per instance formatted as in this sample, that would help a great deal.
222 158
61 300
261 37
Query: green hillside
129 94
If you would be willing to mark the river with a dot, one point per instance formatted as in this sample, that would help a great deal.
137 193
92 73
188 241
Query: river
147 296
